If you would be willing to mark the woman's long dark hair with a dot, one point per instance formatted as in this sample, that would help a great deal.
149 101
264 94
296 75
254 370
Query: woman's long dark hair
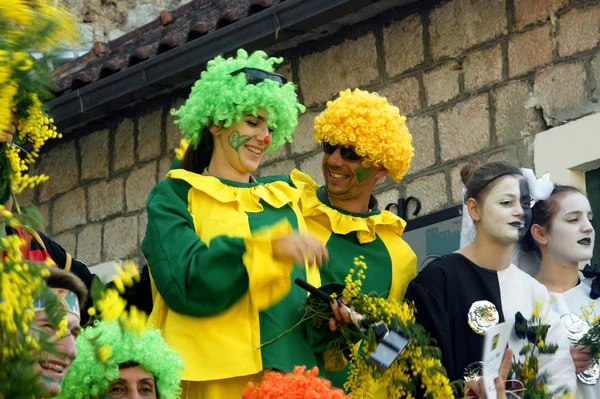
196 160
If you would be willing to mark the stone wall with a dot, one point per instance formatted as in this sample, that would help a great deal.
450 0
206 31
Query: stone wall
106 20
476 78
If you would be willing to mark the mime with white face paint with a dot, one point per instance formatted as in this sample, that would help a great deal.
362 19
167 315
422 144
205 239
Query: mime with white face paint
460 295
561 235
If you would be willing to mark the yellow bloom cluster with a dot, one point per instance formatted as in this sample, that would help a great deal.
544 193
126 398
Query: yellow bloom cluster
20 281
111 306
416 364
28 25
375 128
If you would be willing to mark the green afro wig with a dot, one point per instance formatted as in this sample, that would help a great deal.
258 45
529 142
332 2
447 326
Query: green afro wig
220 97
88 377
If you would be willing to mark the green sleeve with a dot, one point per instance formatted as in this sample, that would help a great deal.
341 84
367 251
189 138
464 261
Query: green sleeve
192 278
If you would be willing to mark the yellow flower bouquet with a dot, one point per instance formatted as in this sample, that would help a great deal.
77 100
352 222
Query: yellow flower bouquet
38 26
412 371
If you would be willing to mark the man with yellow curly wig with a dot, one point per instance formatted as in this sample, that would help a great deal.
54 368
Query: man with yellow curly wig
364 138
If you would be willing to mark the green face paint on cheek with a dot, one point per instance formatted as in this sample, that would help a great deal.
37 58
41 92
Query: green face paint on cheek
361 174
236 141
49 380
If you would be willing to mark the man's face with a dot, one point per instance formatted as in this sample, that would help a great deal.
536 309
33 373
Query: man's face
53 366
345 176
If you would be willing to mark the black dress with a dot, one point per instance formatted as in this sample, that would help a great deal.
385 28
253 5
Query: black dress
444 293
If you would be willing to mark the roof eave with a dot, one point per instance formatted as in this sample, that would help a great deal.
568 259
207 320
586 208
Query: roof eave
180 66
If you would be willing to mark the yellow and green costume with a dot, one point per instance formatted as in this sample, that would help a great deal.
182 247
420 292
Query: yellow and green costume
376 235
218 292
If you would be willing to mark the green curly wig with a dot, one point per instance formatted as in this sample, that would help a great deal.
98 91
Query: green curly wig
220 97
88 377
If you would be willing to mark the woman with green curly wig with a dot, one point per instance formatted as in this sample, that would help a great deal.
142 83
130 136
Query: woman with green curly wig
115 363
224 247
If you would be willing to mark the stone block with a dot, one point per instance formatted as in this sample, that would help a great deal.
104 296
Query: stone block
164 166
579 30
285 70
68 211
94 155
560 91
422 130
105 199
388 197
460 24
173 133
507 155
352 63
525 149
596 75
304 135
68 241
312 167
45 212
514 117
89 244
483 68
121 238
279 155
403 45
149 136
278 168
441 83
431 191
404 95
60 163
26 196
138 185
456 183
142 223
529 50
464 128
530 11
123 156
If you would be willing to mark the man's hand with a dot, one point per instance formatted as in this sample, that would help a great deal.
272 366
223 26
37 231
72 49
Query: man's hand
7 135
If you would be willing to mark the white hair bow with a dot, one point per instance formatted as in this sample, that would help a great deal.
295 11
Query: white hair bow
540 189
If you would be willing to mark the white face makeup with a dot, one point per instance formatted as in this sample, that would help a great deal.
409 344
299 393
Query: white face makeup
571 236
502 213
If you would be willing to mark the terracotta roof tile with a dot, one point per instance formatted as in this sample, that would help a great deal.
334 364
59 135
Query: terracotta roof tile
169 30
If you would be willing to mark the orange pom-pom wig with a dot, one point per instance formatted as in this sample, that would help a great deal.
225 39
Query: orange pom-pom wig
300 384
372 126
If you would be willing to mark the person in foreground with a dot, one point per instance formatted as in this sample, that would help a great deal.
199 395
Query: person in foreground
364 139
138 365
54 365
561 236
223 247
460 295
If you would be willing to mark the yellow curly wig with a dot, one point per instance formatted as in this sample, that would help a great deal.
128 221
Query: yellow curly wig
372 126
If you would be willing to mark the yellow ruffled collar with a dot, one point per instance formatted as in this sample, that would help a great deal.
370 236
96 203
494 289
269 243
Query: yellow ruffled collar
248 196
340 222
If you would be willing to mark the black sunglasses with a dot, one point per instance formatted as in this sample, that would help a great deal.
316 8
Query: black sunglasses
255 75
347 153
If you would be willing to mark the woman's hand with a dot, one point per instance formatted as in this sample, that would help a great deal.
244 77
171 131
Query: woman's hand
581 357
340 314
475 388
297 247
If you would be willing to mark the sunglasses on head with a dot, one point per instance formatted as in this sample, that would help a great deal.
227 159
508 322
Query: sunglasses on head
347 153
255 75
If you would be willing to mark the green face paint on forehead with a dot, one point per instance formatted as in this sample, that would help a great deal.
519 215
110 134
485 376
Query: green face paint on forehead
362 173
236 141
